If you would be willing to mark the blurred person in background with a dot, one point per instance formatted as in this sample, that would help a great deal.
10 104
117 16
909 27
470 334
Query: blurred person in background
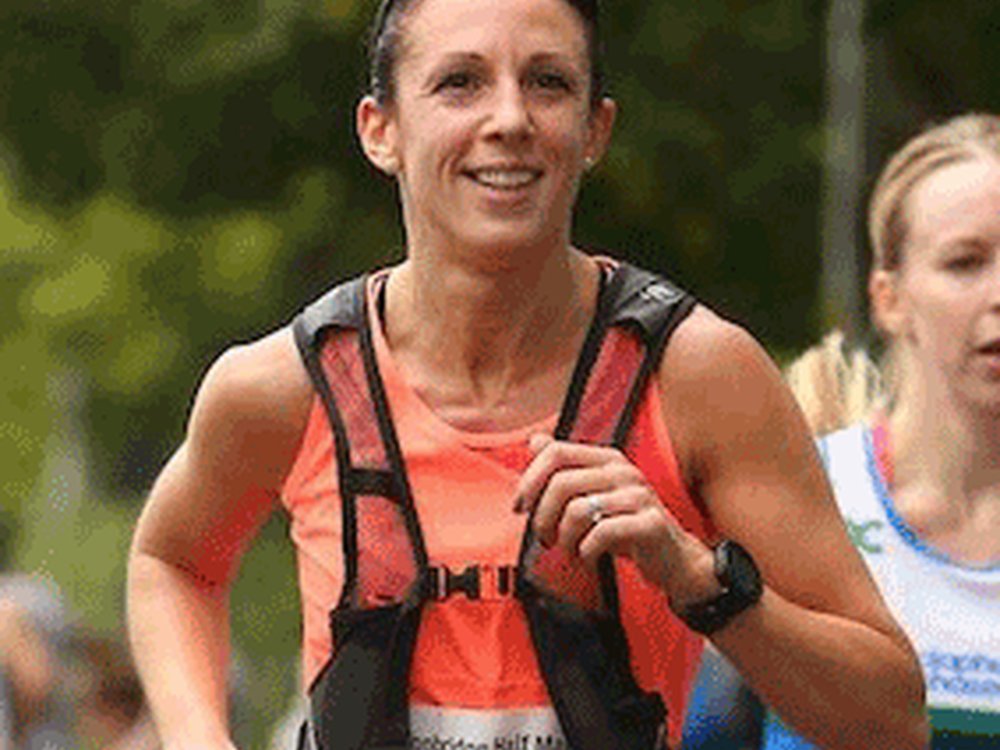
110 709
495 569
35 708
913 453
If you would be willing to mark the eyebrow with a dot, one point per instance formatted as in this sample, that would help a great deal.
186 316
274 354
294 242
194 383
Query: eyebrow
966 242
457 57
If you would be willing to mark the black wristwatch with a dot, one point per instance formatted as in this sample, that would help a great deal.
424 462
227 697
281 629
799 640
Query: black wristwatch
741 588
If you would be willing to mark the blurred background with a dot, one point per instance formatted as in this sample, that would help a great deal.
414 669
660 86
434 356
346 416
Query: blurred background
179 175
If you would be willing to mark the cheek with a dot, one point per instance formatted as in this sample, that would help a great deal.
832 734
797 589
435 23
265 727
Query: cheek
573 139
428 139
940 324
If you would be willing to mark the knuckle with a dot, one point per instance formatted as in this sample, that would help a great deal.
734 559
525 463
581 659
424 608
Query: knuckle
626 472
548 462
561 485
624 475
556 451
577 511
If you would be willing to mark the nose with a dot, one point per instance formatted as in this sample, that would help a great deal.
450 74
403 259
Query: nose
511 117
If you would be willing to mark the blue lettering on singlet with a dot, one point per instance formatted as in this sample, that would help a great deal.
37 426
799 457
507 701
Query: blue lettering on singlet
777 736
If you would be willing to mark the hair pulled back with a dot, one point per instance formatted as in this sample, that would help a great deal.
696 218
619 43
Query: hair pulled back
835 387
386 42
961 139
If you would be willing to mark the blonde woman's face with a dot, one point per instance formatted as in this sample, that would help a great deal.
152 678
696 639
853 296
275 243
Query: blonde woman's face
946 305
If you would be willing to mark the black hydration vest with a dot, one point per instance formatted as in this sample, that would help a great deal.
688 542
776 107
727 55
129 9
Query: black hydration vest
359 701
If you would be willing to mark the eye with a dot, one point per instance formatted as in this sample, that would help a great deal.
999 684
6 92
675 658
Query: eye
965 263
967 256
457 81
551 81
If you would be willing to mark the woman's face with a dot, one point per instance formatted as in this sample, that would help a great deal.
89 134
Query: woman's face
491 125
945 298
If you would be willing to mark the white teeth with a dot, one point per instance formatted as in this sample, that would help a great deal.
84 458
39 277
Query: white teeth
504 178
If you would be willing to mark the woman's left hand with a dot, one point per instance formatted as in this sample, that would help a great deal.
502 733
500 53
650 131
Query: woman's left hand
592 499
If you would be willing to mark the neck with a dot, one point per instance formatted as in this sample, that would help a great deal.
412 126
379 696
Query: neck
953 445
485 331
947 475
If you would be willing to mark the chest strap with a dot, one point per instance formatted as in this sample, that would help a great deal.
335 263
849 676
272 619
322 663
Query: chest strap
477 582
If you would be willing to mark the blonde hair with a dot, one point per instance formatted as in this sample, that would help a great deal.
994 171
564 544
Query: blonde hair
965 138
835 387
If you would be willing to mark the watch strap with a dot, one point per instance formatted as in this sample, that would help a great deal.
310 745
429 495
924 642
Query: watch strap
741 589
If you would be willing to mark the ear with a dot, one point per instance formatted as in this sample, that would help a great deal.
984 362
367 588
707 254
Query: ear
602 121
888 306
378 135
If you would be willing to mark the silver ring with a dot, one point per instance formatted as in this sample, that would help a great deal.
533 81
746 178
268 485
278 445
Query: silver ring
596 509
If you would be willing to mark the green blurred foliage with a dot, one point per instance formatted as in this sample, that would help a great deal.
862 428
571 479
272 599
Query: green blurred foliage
177 175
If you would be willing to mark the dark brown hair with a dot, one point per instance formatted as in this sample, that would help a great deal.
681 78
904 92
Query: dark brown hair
385 40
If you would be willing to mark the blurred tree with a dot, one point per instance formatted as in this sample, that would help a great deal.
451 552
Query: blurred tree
200 162
176 176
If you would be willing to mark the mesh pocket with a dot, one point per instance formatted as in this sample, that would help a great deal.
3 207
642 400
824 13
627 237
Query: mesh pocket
387 565
344 368
554 572
607 390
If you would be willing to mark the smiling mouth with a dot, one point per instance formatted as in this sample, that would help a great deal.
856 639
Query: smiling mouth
990 349
504 179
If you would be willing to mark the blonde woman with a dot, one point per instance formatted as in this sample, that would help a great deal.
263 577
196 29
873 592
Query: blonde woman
913 452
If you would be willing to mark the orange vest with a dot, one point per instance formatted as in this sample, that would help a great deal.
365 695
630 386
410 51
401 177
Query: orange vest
474 676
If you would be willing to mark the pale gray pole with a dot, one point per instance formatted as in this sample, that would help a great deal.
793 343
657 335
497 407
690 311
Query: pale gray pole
841 296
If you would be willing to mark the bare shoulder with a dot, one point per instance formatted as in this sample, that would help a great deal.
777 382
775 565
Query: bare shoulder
253 404
243 436
707 350
265 373
719 385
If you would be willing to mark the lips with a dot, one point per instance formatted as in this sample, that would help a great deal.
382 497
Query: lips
989 348
504 178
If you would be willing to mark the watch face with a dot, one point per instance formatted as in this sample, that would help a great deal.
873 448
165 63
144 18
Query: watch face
740 570
741 588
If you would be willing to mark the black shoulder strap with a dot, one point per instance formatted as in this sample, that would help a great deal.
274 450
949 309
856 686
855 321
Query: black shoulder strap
342 306
649 306
649 303
369 458
357 700
573 614
653 307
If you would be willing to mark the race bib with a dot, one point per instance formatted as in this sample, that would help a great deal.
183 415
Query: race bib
441 728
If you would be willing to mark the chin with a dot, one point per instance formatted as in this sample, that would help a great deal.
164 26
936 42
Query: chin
985 400
508 237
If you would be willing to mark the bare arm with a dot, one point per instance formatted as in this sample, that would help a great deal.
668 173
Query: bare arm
203 511
820 647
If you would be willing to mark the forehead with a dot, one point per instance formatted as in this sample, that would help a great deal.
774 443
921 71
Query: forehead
960 198
437 28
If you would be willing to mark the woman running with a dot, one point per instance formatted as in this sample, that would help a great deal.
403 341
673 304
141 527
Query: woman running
515 503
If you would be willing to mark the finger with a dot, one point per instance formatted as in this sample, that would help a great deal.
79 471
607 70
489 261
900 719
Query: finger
538 441
647 537
615 535
556 455
565 485
579 516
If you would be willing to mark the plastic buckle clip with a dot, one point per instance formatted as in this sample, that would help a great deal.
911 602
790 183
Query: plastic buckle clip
444 583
